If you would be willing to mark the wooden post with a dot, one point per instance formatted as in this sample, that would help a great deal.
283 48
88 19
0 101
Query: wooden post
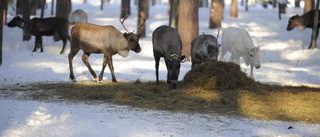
315 29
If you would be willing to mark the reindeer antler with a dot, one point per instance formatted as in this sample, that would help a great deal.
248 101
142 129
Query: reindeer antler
123 24
142 24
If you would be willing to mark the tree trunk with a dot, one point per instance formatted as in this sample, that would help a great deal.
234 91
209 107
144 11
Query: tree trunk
3 9
315 29
101 4
4 17
43 4
203 3
18 7
125 8
33 7
307 6
215 14
154 2
234 9
52 7
25 9
188 24
1 32
297 3
174 13
63 8
142 16
3 6
247 7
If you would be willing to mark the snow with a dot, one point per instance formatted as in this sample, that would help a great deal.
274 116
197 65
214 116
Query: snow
285 60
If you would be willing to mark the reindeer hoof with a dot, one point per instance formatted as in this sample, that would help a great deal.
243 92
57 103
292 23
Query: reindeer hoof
73 80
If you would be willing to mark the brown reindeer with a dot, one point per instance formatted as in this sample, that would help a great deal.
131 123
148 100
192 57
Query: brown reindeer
106 40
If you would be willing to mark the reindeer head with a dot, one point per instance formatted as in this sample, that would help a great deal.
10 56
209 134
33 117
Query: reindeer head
173 67
254 57
132 38
295 21
213 50
16 21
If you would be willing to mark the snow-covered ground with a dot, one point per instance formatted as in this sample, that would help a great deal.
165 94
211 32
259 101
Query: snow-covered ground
284 56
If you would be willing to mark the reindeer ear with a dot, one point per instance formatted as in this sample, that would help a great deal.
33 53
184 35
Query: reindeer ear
182 57
126 35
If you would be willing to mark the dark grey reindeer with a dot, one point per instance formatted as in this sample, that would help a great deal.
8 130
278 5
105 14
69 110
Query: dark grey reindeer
304 21
107 40
167 44
53 26
204 47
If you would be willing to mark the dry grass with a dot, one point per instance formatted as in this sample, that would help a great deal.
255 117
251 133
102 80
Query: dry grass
214 87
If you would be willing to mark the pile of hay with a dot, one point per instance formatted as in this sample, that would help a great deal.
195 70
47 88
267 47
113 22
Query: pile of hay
214 75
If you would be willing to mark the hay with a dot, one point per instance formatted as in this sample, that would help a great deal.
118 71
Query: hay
216 75
213 87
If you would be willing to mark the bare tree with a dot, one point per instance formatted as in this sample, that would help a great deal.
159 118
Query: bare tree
25 10
297 3
43 4
315 29
125 8
173 9
142 15
216 13
308 5
63 8
234 9
3 9
154 2
33 7
188 24
52 7
203 3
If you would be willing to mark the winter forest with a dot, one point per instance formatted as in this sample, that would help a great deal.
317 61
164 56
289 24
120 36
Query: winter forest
172 68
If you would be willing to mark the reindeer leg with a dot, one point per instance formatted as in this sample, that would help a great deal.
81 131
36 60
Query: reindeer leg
74 50
85 58
222 53
110 64
157 59
64 45
251 72
104 64
40 44
36 44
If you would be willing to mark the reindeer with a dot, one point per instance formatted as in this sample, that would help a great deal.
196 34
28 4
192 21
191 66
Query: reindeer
239 43
78 16
53 26
106 40
204 47
304 21
167 44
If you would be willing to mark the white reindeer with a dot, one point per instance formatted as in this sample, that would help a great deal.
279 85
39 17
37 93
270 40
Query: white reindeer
78 16
239 43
